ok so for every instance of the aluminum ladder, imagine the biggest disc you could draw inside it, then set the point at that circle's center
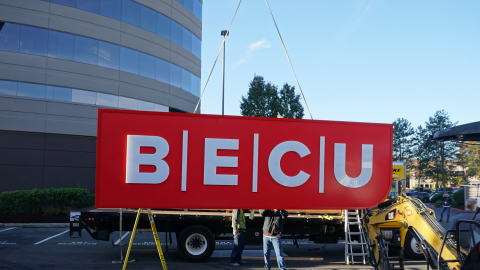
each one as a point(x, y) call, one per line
point(353, 227)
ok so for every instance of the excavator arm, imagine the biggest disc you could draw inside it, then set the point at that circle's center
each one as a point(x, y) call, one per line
point(418, 220)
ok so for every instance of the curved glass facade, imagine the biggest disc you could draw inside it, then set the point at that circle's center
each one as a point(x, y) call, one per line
point(194, 6)
point(133, 13)
point(50, 43)
point(48, 92)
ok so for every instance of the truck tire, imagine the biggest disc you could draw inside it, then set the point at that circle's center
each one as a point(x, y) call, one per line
point(196, 243)
point(412, 247)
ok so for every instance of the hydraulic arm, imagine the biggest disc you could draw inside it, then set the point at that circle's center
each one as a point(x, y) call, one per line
point(415, 218)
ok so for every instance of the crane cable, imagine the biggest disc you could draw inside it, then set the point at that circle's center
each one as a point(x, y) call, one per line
point(221, 47)
point(289, 60)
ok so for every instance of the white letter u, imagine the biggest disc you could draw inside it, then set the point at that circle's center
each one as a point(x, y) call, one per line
point(339, 166)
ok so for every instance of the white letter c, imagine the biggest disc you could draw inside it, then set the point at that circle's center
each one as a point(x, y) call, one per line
point(274, 163)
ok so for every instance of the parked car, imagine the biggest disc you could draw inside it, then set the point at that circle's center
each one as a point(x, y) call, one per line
point(422, 196)
point(418, 189)
point(431, 196)
point(409, 193)
point(448, 190)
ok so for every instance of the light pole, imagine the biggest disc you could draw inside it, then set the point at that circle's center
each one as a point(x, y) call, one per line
point(224, 33)
point(443, 165)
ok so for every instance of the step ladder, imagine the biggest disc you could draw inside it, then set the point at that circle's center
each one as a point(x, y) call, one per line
point(354, 229)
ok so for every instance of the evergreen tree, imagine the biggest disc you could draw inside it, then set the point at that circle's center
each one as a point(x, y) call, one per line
point(263, 99)
point(443, 152)
point(402, 139)
point(290, 106)
point(469, 158)
point(422, 155)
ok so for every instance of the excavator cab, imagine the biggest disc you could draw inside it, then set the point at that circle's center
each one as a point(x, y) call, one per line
point(467, 236)
point(473, 258)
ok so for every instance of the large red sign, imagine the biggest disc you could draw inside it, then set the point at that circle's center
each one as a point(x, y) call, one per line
point(174, 160)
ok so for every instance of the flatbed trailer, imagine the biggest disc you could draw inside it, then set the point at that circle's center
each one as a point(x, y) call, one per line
point(197, 230)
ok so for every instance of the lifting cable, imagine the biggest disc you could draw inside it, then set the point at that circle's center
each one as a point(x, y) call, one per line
point(289, 60)
point(221, 47)
point(283, 44)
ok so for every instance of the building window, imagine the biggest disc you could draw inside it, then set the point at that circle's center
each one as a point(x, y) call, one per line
point(49, 92)
point(141, 16)
point(90, 51)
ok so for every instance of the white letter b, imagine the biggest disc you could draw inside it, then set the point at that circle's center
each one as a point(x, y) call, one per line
point(135, 159)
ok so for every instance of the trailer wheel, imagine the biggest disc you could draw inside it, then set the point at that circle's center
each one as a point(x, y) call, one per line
point(412, 247)
point(196, 243)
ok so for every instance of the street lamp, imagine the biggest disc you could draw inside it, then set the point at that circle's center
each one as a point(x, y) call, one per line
point(224, 33)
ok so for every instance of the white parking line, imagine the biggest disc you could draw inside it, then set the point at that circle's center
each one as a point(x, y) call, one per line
point(118, 241)
point(8, 229)
point(51, 237)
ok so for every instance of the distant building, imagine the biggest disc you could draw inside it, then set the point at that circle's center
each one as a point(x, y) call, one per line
point(61, 60)
point(432, 182)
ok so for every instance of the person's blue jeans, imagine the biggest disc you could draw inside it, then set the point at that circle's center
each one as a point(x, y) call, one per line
point(276, 242)
point(443, 210)
point(238, 246)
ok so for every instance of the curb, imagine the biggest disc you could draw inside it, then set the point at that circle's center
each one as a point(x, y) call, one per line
point(456, 209)
point(36, 225)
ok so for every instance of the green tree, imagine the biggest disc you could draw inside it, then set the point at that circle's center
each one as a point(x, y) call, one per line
point(423, 162)
point(443, 152)
point(402, 139)
point(263, 99)
point(290, 106)
point(469, 159)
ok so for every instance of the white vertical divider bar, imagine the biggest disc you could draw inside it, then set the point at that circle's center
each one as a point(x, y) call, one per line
point(255, 162)
point(184, 160)
point(322, 164)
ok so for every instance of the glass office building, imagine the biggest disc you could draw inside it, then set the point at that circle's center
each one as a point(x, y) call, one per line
point(61, 60)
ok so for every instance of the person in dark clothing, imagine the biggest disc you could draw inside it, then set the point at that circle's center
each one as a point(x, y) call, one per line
point(465, 237)
point(272, 235)
point(239, 226)
point(447, 203)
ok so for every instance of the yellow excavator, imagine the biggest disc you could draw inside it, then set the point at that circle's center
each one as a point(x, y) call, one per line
point(438, 245)
point(414, 220)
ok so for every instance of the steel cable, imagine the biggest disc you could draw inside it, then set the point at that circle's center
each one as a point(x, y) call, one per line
point(281, 39)
point(221, 47)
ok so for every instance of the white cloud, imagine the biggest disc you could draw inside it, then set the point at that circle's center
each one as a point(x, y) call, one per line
point(261, 44)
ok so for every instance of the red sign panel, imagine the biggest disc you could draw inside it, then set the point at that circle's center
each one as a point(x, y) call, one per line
point(173, 160)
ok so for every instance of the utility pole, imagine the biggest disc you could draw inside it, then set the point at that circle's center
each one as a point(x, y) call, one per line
point(224, 33)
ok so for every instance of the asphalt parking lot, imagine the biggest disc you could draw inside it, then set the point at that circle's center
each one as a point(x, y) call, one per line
point(52, 248)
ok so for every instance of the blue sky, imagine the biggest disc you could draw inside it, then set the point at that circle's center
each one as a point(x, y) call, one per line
point(360, 61)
